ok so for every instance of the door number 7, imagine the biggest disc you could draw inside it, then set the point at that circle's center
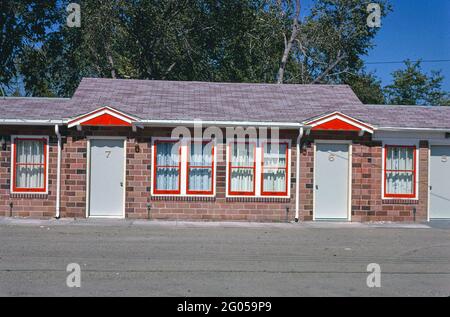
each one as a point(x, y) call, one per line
point(108, 154)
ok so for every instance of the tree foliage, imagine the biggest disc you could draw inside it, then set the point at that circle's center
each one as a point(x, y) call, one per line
point(412, 86)
point(23, 23)
point(205, 40)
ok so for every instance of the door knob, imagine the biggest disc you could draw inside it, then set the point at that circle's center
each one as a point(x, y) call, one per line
point(317, 187)
point(121, 184)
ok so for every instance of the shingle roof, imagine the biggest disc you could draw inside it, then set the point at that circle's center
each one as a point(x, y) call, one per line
point(33, 108)
point(169, 100)
point(427, 117)
point(210, 101)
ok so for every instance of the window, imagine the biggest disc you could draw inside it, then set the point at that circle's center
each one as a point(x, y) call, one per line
point(183, 167)
point(167, 167)
point(400, 172)
point(242, 168)
point(274, 169)
point(29, 165)
point(258, 168)
point(200, 168)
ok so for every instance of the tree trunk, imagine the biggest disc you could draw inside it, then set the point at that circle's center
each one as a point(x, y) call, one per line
point(111, 63)
point(288, 43)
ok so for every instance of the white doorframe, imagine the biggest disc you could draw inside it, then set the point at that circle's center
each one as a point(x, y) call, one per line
point(88, 172)
point(349, 181)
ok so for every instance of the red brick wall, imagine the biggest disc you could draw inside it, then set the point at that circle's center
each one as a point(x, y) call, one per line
point(73, 176)
point(139, 204)
point(27, 205)
point(367, 204)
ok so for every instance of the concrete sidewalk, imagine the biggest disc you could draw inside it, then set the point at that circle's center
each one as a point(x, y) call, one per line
point(218, 224)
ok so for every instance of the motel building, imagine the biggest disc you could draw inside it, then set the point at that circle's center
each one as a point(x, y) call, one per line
point(157, 150)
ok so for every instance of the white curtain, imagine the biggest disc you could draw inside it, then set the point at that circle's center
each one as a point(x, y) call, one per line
point(30, 164)
point(399, 170)
point(275, 168)
point(167, 166)
point(200, 167)
point(242, 161)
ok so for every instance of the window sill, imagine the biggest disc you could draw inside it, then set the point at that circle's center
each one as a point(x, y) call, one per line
point(29, 195)
point(400, 201)
point(182, 198)
point(259, 199)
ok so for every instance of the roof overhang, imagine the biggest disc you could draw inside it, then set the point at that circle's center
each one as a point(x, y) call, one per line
point(105, 116)
point(403, 129)
point(31, 122)
point(207, 123)
point(337, 121)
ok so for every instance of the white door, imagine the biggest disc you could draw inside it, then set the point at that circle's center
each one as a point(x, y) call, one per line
point(331, 183)
point(440, 182)
point(106, 187)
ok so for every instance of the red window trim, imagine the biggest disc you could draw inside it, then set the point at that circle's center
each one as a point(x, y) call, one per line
point(155, 168)
point(230, 168)
point(267, 193)
point(386, 194)
point(15, 164)
point(188, 169)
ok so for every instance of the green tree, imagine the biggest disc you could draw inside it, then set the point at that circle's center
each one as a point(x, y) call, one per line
point(412, 86)
point(327, 44)
point(208, 40)
point(69, 54)
point(367, 87)
point(23, 23)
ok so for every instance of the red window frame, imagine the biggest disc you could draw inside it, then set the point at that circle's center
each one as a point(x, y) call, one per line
point(15, 165)
point(155, 169)
point(286, 168)
point(230, 169)
point(188, 170)
point(386, 171)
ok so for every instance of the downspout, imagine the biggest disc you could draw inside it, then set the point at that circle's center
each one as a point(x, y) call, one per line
point(58, 174)
point(297, 179)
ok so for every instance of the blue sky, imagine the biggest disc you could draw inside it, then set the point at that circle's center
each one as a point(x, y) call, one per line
point(415, 29)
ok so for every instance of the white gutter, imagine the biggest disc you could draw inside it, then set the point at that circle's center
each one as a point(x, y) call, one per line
point(412, 129)
point(58, 174)
point(30, 122)
point(297, 179)
point(295, 125)
point(166, 123)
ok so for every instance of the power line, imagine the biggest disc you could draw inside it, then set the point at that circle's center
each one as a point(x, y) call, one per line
point(401, 62)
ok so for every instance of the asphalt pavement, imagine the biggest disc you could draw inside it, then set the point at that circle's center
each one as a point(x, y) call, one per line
point(139, 258)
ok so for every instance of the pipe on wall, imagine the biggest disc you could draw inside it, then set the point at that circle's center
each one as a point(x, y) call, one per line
point(58, 174)
point(297, 179)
